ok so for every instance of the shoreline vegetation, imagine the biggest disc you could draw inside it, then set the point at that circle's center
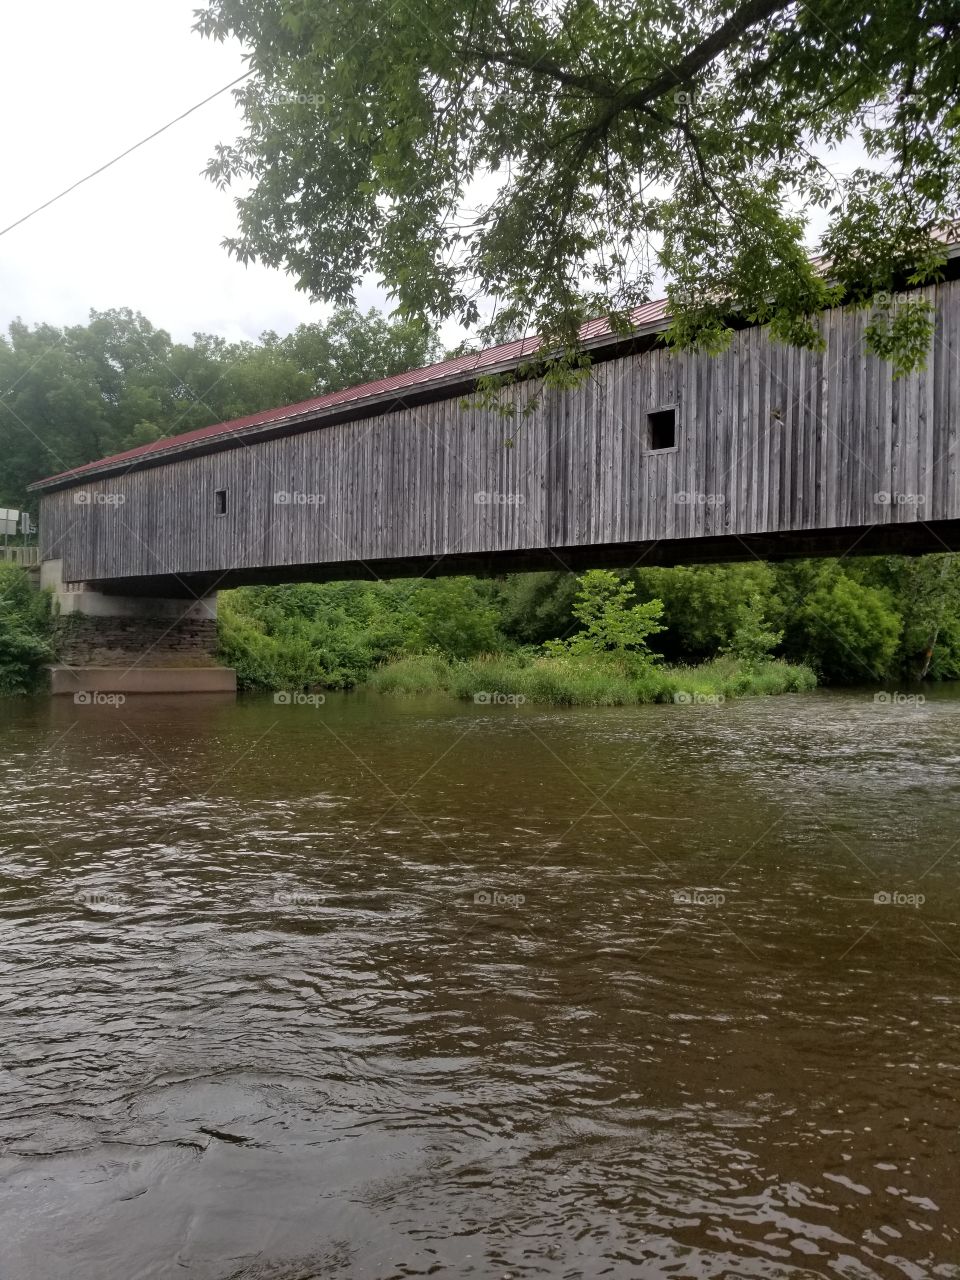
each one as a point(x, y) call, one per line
point(458, 637)
point(693, 633)
point(587, 681)
point(697, 634)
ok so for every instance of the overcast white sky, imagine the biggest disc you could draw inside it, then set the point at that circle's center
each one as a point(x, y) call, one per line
point(78, 84)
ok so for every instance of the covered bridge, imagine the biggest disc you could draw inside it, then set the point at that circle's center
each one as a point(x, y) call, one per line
point(660, 457)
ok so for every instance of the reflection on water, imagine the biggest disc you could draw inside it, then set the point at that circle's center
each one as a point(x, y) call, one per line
point(387, 989)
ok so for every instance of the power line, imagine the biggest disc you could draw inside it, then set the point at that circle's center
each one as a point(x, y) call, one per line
point(143, 141)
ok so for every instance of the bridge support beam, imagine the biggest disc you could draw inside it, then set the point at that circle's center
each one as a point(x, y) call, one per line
point(133, 644)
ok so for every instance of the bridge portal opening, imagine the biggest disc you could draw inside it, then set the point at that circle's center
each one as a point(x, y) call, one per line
point(662, 429)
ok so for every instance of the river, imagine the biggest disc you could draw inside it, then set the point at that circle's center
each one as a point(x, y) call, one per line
point(380, 988)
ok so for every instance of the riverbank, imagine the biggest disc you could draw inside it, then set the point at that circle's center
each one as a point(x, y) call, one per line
point(463, 638)
point(587, 681)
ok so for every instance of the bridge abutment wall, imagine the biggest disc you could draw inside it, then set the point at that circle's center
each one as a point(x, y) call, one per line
point(133, 644)
point(92, 640)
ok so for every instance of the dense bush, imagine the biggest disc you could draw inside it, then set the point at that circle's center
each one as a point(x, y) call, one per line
point(537, 606)
point(454, 615)
point(335, 634)
point(703, 604)
point(24, 632)
point(848, 631)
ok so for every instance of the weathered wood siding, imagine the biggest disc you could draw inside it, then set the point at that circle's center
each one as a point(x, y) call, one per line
point(769, 439)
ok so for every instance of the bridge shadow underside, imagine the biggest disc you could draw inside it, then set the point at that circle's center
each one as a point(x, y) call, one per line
point(910, 539)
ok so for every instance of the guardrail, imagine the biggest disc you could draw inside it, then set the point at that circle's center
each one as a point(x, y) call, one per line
point(25, 556)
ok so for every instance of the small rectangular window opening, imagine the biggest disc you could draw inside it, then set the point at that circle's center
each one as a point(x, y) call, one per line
point(220, 502)
point(662, 424)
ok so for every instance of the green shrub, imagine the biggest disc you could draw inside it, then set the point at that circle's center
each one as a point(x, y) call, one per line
point(453, 615)
point(752, 640)
point(611, 623)
point(25, 632)
point(703, 604)
point(335, 634)
point(849, 631)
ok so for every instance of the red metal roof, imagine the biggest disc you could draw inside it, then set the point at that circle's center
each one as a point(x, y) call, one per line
point(507, 354)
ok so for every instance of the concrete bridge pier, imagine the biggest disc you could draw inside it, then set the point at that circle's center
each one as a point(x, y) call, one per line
point(132, 644)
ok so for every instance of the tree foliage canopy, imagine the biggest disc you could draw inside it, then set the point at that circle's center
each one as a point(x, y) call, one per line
point(547, 152)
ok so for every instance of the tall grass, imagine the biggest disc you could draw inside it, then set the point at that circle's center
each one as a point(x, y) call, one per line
point(588, 681)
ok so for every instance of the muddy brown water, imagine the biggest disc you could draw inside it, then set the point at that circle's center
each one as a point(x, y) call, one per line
point(382, 988)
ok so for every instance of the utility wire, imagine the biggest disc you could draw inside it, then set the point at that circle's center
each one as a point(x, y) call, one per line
point(143, 141)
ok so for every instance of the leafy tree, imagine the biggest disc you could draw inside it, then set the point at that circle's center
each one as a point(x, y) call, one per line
point(548, 154)
point(611, 622)
point(927, 593)
point(848, 631)
point(752, 639)
point(703, 604)
point(352, 348)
